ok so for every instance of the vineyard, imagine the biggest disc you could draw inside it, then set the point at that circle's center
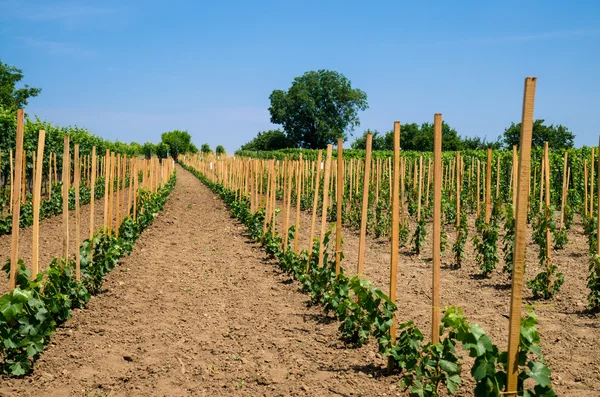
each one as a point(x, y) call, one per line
point(42, 296)
point(296, 271)
point(285, 198)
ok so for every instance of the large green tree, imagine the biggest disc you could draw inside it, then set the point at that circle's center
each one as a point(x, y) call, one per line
point(318, 108)
point(177, 141)
point(11, 97)
point(162, 150)
point(269, 140)
point(149, 149)
point(557, 136)
point(205, 148)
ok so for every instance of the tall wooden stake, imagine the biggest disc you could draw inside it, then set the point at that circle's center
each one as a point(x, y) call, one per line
point(66, 179)
point(585, 188)
point(598, 196)
point(564, 190)
point(365, 209)
point(338, 204)
point(547, 198)
point(106, 187)
point(314, 209)
point(325, 199)
point(395, 231)
point(520, 238)
point(488, 187)
point(93, 193)
point(76, 179)
point(298, 199)
point(16, 201)
point(37, 192)
point(437, 225)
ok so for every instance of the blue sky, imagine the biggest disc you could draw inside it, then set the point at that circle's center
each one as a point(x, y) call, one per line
point(134, 69)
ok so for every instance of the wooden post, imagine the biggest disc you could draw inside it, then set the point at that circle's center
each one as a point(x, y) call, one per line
point(314, 211)
point(515, 176)
point(458, 189)
point(542, 172)
point(274, 194)
point(106, 187)
point(299, 177)
point(402, 181)
point(428, 183)
point(76, 179)
point(377, 177)
point(324, 207)
point(478, 186)
point(66, 179)
point(339, 204)
point(350, 176)
point(598, 195)
point(547, 175)
point(365, 209)
point(136, 183)
point(131, 177)
point(420, 185)
point(37, 192)
point(24, 180)
point(591, 206)
point(12, 182)
point(498, 176)
point(92, 193)
point(585, 188)
point(288, 210)
point(268, 199)
point(33, 172)
point(437, 225)
point(16, 201)
point(111, 190)
point(55, 169)
point(120, 180)
point(564, 191)
point(284, 206)
point(395, 231)
point(520, 238)
point(488, 187)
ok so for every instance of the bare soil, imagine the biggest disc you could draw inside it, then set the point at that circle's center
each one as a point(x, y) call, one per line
point(569, 335)
point(197, 310)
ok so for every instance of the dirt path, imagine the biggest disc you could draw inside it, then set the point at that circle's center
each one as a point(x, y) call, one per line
point(197, 311)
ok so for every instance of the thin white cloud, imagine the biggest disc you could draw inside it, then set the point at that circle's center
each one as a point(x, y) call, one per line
point(56, 47)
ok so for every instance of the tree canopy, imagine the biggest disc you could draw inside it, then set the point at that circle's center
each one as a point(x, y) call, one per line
point(558, 137)
point(205, 149)
point(178, 142)
point(162, 150)
point(318, 108)
point(420, 138)
point(148, 149)
point(378, 141)
point(220, 150)
point(269, 140)
point(11, 97)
